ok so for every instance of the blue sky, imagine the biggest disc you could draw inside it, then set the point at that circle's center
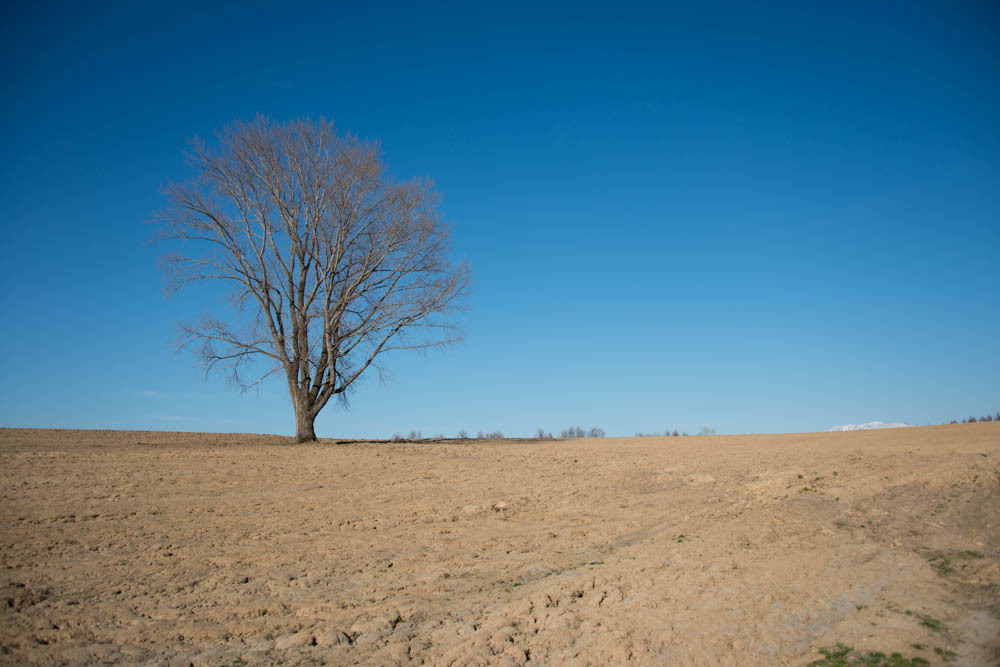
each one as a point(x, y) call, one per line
point(677, 215)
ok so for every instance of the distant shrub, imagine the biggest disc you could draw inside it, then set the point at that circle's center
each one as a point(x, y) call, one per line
point(707, 430)
point(596, 432)
point(676, 434)
point(397, 437)
point(415, 435)
point(495, 435)
point(972, 420)
point(463, 434)
point(541, 434)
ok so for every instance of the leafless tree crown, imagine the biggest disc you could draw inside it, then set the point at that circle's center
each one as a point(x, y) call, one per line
point(331, 262)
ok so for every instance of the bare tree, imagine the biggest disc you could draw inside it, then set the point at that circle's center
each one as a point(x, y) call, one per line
point(331, 262)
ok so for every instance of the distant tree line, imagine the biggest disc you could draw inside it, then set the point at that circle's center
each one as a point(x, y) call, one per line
point(540, 434)
point(973, 420)
point(597, 432)
point(462, 435)
point(705, 430)
point(577, 432)
point(571, 432)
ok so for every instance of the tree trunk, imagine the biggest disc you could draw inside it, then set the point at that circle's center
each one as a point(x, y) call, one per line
point(304, 431)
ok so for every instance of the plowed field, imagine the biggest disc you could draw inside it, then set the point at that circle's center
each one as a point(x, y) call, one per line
point(178, 548)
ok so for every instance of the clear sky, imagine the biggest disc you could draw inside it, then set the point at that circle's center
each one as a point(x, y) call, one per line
point(677, 215)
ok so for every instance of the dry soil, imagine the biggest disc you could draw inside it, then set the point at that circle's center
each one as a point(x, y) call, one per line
point(178, 548)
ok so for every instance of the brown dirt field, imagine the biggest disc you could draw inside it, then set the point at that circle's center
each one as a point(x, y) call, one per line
point(175, 548)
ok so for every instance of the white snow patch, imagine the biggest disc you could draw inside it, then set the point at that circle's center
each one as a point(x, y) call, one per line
point(868, 426)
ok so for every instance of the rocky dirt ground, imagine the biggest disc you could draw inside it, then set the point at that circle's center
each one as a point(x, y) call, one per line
point(175, 548)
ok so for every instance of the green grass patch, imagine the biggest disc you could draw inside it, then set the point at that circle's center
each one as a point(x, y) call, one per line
point(945, 563)
point(843, 655)
point(946, 655)
point(925, 620)
point(835, 656)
